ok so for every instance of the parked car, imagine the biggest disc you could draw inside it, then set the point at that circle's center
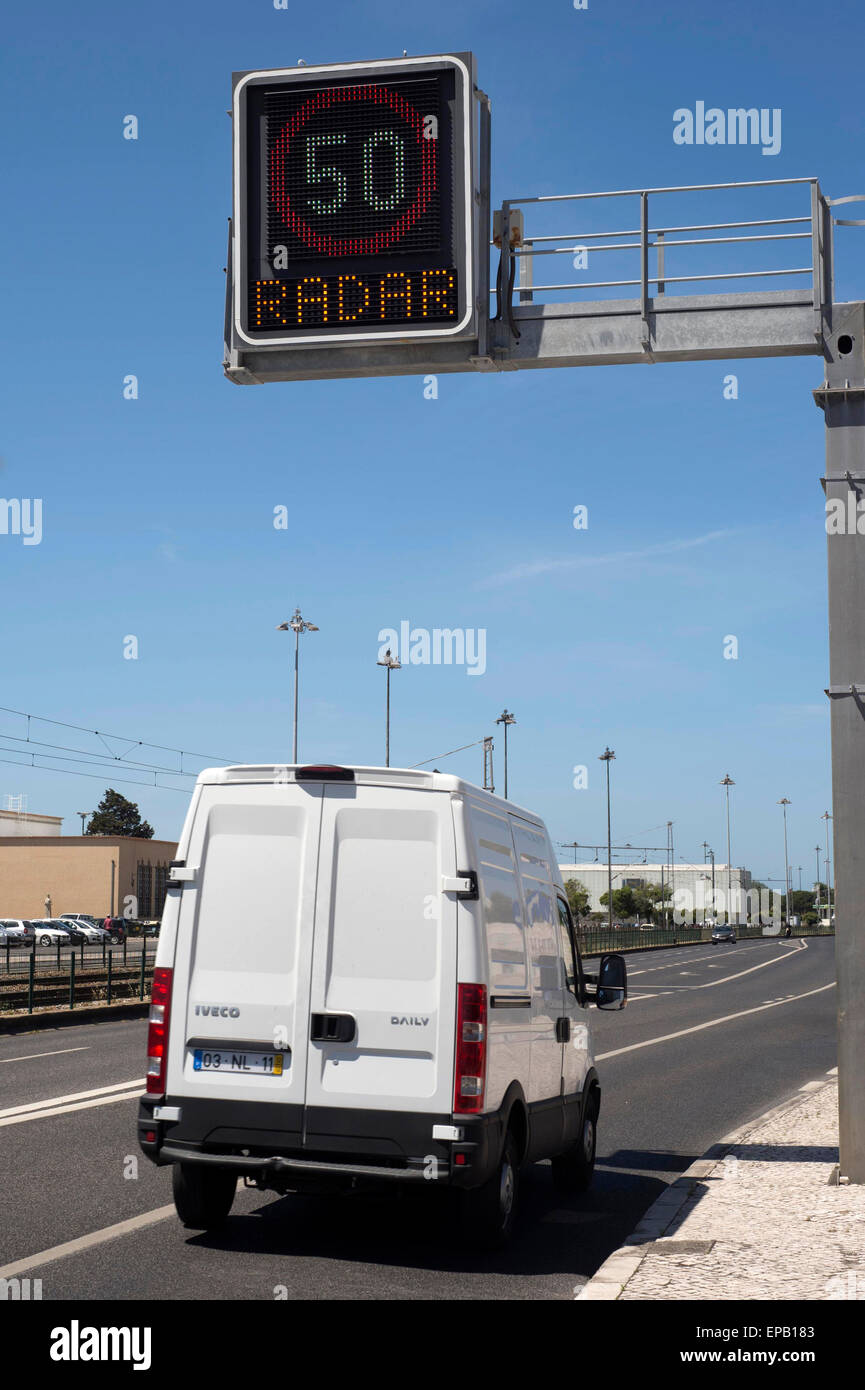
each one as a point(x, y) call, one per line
point(90, 934)
point(84, 918)
point(49, 932)
point(383, 1055)
point(73, 930)
point(723, 933)
point(15, 932)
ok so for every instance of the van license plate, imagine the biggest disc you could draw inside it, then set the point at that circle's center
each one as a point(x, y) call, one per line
point(258, 1063)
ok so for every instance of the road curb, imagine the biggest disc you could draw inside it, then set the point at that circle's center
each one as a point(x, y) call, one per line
point(67, 1018)
point(610, 1280)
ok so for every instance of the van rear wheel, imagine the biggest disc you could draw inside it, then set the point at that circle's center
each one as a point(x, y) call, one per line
point(489, 1211)
point(573, 1170)
point(202, 1195)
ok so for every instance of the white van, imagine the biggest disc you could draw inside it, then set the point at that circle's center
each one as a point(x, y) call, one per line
point(368, 977)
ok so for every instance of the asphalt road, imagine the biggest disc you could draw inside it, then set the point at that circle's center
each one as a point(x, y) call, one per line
point(711, 1038)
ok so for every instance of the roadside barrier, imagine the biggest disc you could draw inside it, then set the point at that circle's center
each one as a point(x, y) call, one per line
point(31, 980)
point(597, 941)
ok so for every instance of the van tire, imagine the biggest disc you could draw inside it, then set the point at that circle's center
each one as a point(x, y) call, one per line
point(489, 1211)
point(573, 1170)
point(203, 1195)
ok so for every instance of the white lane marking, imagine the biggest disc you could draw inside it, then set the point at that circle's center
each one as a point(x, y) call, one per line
point(66, 1109)
point(710, 984)
point(74, 1247)
point(677, 958)
point(713, 1023)
point(76, 1095)
point(4, 1061)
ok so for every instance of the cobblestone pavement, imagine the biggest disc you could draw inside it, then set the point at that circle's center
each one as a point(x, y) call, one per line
point(763, 1222)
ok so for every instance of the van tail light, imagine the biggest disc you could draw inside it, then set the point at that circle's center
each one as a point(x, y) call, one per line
point(157, 1032)
point(471, 1050)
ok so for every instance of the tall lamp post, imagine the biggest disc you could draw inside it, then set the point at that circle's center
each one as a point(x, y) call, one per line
point(297, 625)
point(817, 883)
point(826, 817)
point(784, 803)
point(506, 718)
point(728, 783)
point(83, 815)
point(607, 757)
point(392, 663)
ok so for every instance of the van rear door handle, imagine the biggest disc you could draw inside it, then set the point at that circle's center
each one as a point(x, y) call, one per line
point(332, 1028)
point(563, 1029)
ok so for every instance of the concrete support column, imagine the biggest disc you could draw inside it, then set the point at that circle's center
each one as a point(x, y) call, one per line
point(842, 399)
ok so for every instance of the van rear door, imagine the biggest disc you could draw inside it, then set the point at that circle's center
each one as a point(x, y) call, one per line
point(382, 1002)
point(244, 946)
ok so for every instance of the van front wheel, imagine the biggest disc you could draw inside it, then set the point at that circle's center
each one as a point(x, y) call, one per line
point(203, 1196)
point(489, 1211)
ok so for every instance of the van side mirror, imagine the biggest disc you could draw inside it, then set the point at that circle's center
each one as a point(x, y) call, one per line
point(612, 990)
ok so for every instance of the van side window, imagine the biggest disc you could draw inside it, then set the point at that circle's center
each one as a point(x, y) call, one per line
point(573, 972)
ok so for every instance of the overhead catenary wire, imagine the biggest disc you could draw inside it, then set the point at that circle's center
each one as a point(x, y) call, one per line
point(439, 756)
point(68, 772)
point(120, 738)
point(90, 759)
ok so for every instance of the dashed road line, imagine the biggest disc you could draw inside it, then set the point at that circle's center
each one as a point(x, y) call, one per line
point(712, 1023)
point(4, 1061)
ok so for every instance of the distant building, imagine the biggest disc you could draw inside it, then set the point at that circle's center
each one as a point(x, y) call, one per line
point(25, 823)
point(100, 874)
point(694, 878)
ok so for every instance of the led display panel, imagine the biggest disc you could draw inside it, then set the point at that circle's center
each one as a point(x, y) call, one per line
point(354, 202)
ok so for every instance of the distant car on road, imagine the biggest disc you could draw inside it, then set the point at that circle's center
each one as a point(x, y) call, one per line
point(646, 926)
point(723, 933)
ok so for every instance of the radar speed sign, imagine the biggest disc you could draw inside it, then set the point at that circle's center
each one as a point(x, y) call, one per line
point(354, 206)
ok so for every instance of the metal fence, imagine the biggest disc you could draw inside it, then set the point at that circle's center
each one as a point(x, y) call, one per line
point(595, 942)
point(645, 249)
point(31, 980)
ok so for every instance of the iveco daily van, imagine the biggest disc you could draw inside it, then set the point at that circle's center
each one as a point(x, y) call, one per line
point(368, 976)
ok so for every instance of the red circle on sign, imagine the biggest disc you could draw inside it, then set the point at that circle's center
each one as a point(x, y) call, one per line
point(351, 246)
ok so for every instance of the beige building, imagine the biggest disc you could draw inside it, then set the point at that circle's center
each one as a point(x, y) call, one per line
point(104, 875)
point(18, 823)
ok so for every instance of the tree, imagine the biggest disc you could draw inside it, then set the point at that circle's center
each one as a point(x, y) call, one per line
point(116, 816)
point(801, 901)
point(578, 897)
point(625, 902)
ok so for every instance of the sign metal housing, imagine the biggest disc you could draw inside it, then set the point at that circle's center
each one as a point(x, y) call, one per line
point(355, 208)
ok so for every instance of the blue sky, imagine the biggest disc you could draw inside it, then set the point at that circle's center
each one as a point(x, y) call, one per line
point(705, 514)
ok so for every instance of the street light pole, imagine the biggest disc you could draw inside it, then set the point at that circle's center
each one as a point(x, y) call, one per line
point(607, 757)
point(83, 815)
point(393, 664)
point(727, 782)
point(506, 718)
point(826, 817)
point(784, 803)
point(817, 884)
point(297, 625)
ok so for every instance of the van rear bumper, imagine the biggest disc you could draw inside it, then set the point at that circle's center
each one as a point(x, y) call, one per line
point(287, 1146)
